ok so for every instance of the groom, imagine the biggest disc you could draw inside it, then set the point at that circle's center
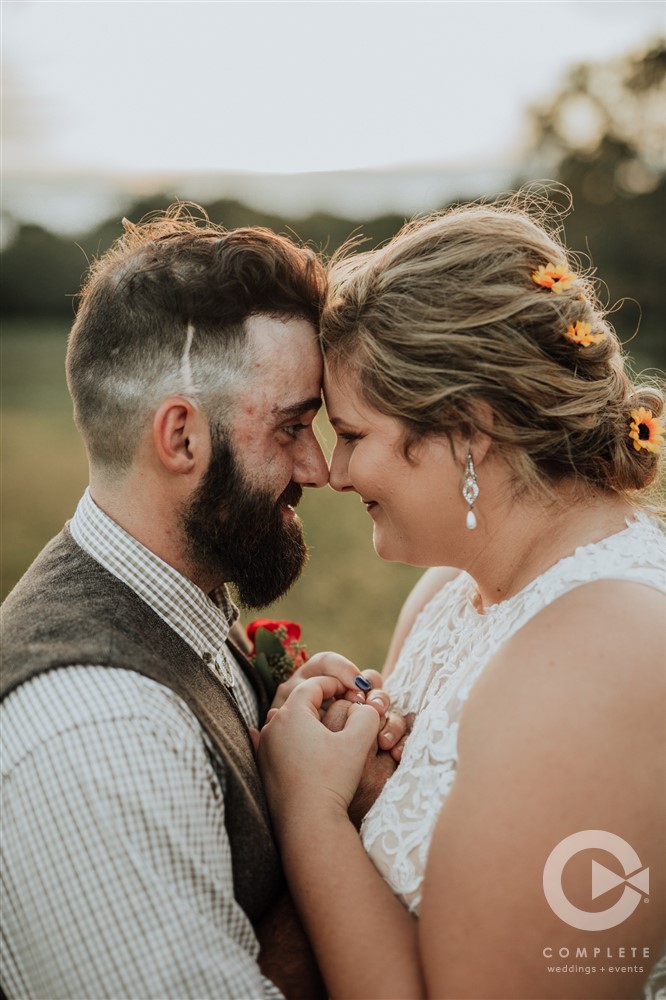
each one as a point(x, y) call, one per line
point(138, 857)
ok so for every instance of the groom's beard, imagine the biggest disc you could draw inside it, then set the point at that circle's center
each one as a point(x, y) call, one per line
point(239, 533)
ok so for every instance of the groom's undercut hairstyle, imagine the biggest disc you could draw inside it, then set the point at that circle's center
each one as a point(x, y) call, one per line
point(163, 312)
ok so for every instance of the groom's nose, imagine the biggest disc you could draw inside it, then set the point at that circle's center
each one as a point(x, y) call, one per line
point(310, 468)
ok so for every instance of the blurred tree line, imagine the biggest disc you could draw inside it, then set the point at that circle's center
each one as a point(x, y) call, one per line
point(602, 136)
point(605, 131)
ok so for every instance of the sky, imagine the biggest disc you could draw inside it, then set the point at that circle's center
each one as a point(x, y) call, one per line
point(136, 88)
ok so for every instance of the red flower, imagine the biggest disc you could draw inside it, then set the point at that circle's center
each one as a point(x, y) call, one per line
point(292, 629)
point(276, 651)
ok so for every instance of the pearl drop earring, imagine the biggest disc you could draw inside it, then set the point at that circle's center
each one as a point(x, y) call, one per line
point(470, 491)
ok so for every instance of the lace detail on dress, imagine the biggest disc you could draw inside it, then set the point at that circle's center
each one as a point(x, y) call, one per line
point(441, 660)
point(655, 987)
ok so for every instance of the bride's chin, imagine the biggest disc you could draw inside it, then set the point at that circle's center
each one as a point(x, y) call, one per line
point(398, 550)
point(385, 548)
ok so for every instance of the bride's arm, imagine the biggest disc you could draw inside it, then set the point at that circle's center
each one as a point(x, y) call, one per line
point(352, 918)
point(423, 591)
point(563, 733)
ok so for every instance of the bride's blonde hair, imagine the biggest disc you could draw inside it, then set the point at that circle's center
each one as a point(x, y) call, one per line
point(447, 316)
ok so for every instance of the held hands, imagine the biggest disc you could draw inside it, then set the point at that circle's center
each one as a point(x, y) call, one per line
point(306, 768)
point(393, 728)
point(328, 665)
point(379, 764)
point(306, 712)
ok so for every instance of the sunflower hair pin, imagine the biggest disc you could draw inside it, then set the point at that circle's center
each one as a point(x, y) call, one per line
point(645, 431)
point(581, 333)
point(554, 277)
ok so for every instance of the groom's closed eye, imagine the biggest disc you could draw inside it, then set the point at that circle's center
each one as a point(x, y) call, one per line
point(293, 429)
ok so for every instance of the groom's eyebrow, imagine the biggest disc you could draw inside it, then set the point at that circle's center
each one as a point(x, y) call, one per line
point(289, 412)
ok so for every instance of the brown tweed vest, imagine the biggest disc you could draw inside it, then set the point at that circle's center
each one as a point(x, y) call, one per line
point(68, 610)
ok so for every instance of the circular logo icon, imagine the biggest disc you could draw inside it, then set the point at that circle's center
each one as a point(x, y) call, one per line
point(636, 880)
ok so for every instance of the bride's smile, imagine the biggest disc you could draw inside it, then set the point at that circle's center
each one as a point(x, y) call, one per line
point(412, 495)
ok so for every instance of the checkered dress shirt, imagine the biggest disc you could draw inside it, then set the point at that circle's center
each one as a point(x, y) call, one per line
point(116, 873)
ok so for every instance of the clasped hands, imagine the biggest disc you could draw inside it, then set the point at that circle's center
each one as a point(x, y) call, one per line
point(334, 711)
point(328, 743)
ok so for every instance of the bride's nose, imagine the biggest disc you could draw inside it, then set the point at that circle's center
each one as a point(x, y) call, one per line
point(338, 476)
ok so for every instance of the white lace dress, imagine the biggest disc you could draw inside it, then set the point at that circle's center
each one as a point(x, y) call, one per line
point(441, 660)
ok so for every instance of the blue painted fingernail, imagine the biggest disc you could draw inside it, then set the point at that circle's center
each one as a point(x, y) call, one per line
point(363, 683)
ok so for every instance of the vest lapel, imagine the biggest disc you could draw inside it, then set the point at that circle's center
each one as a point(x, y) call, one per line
point(253, 677)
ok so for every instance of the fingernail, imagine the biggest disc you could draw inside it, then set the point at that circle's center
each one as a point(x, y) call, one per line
point(363, 683)
point(388, 737)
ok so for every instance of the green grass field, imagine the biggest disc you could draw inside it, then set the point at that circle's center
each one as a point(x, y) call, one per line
point(347, 599)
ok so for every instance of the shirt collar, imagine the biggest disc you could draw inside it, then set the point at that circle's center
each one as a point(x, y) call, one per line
point(203, 621)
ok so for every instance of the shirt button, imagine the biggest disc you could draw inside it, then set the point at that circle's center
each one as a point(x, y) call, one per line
point(223, 665)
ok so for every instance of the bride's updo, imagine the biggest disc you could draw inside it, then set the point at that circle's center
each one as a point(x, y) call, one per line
point(483, 304)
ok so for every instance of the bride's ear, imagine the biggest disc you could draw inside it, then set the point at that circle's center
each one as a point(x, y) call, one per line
point(476, 442)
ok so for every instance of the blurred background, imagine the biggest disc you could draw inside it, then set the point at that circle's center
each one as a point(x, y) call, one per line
point(319, 120)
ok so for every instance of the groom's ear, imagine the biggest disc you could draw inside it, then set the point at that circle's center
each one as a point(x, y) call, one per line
point(180, 436)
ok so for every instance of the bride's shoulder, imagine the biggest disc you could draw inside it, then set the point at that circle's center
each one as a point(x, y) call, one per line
point(563, 732)
point(593, 657)
point(594, 625)
point(602, 619)
point(426, 588)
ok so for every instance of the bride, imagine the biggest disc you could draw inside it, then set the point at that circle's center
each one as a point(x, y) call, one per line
point(485, 418)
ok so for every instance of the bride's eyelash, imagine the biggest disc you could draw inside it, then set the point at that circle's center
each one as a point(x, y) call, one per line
point(348, 437)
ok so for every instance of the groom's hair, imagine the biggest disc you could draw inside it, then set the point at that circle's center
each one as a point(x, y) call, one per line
point(163, 312)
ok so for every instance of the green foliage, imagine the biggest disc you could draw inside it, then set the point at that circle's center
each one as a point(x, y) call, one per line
point(267, 647)
point(41, 274)
point(271, 660)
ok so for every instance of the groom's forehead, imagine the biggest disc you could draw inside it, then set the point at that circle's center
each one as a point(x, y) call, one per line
point(277, 344)
point(285, 376)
